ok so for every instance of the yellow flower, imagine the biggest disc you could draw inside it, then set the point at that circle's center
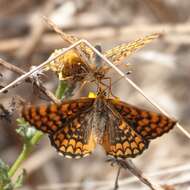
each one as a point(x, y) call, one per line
point(64, 64)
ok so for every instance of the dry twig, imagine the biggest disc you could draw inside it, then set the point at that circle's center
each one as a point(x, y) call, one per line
point(129, 165)
point(116, 186)
point(62, 35)
point(26, 75)
point(33, 80)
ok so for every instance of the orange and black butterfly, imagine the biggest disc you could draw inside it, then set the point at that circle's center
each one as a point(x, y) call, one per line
point(76, 126)
point(72, 66)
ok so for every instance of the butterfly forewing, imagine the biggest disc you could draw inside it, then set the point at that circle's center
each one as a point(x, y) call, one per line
point(49, 119)
point(148, 124)
point(40, 117)
point(121, 52)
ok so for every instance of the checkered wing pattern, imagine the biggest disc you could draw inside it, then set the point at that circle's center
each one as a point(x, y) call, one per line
point(121, 141)
point(121, 52)
point(75, 139)
point(149, 125)
point(66, 126)
point(130, 134)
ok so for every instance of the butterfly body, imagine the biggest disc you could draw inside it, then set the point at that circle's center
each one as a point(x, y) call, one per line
point(99, 117)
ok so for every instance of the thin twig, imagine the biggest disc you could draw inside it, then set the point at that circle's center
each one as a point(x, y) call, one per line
point(116, 186)
point(70, 39)
point(11, 67)
point(129, 165)
point(173, 170)
point(19, 71)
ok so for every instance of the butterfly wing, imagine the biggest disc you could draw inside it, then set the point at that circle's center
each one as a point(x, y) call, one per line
point(121, 52)
point(120, 140)
point(147, 124)
point(75, 139)
point(67, 125)
point(49, 119)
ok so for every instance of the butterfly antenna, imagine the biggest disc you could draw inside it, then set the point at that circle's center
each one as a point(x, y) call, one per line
point(98, 59)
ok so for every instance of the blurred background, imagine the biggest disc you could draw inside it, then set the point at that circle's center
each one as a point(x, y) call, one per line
point(161, 69)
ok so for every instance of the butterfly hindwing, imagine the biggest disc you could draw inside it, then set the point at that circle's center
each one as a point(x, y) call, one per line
point(120, 140)
point(75, 138)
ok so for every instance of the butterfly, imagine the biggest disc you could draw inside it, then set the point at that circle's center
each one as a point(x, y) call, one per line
point(72, 66)
point(76, 126)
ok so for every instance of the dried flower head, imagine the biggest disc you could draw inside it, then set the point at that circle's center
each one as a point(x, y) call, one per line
point(66, 65)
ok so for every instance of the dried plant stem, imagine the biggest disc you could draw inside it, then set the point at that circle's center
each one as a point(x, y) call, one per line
point(19, 71)
point(128, 164)
point(163, 12)
point(27, 148)
point(11, 67)
point(116, 186)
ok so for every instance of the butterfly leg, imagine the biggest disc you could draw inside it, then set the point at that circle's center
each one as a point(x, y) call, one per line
point(109, 86)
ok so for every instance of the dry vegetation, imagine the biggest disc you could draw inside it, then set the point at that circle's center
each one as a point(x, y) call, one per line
point(161, 69)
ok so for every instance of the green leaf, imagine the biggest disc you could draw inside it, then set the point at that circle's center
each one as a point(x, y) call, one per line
point(20, 179)
point(5, 181)
point(25, 129)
